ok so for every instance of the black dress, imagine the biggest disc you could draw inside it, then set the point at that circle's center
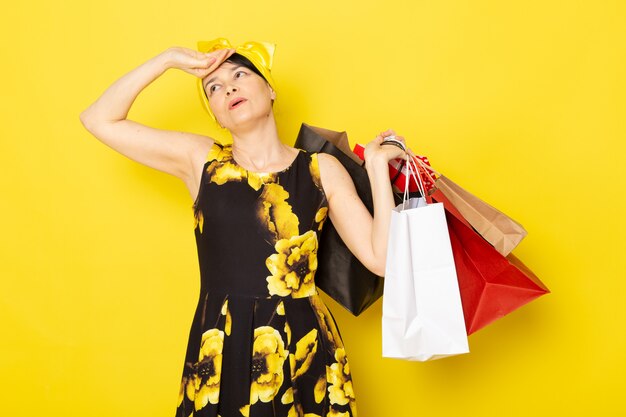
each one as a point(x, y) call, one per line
point(262, 342)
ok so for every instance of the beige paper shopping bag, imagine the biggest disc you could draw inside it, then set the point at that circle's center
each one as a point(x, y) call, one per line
point(494, 226)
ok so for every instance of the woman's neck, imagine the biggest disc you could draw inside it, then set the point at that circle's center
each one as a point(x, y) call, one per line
point(260, 147)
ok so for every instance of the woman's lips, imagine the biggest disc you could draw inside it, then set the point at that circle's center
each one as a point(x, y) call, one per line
point(236, 102)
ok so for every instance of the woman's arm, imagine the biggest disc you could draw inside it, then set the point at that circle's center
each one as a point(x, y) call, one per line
point(168, 151)
point(364, 235)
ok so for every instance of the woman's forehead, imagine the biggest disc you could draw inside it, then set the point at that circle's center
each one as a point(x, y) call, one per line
point(224, 67)
point(227, 64)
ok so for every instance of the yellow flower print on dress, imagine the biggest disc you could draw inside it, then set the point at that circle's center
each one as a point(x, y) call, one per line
point(335, 413)
point(314, 169)
point(229, 320)
point(320, 217)
point(296, 411)
point(306, 347)
point(227, 172)
point(280, 308)
point(268, 357)
point(198, 220)
point(208, 369)
point(287, 397)
point(222, 167)
point(258, 179)
point(326, 322)
point(319, 391)
point(338, 375)
point(288, 332)
point(293, 266)
point(186, 388)
point(274, 213)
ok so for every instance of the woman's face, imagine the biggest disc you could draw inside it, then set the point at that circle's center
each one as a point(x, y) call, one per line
point(238, 96)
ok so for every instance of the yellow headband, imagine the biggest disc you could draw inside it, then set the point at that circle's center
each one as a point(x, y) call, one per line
point(261, 54)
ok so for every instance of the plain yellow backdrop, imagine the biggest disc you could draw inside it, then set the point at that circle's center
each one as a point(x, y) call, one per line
point(520, 102)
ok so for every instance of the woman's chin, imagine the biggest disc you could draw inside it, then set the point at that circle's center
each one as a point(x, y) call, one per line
point(244, 120)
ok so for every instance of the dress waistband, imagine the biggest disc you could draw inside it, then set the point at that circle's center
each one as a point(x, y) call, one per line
point(204, 292)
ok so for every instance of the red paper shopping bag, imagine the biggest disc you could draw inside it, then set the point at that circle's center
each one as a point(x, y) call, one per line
point(491, 285)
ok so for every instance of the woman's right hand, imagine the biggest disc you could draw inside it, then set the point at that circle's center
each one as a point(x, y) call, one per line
point(169, 151)
point(195, 62)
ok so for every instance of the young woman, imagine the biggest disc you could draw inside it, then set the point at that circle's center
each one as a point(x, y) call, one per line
point(262, 341)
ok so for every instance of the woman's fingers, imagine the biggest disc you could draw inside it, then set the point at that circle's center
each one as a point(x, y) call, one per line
point(217, 58)
point(199, 64)
point(388, 132)
point(196, 59)
point(383, 135)
point(221, 54)
point(207, 61)
point(229, 53)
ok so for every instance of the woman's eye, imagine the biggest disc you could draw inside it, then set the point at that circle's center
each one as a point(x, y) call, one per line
point(239, 74)
point(213, 88)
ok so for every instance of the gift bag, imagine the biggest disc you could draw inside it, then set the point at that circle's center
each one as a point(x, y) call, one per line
point(422, 312)
point(339, 273)
point(491, 285)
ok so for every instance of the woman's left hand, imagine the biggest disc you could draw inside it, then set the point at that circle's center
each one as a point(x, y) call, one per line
point(374, 150)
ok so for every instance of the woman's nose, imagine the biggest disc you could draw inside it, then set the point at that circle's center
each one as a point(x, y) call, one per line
point(230, 89)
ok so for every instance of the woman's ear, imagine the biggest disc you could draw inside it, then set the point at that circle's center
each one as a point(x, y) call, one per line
point(272, 94)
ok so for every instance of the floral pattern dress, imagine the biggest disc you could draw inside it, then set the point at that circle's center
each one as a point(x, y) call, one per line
point(262, 342)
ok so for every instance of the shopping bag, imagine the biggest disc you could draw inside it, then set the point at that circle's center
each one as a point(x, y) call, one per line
point(398, 171)
point(497, 228)
point(491, 284)
point(339, 273)
point(422, 313)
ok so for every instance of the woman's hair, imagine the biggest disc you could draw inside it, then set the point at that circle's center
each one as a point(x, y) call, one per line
point(237, 59)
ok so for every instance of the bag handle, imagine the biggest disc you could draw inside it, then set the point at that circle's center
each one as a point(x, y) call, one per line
point(413, 170)
point(416, 174)
point(424, 166)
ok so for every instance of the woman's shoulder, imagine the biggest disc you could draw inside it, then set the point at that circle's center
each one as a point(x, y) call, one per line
point(327, 161)
point(331, 173)
point(217, 150)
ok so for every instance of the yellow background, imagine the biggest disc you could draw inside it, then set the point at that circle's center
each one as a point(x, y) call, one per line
point(521, 102)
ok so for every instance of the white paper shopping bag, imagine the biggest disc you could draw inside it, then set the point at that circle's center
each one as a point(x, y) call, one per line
point(422, 312)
